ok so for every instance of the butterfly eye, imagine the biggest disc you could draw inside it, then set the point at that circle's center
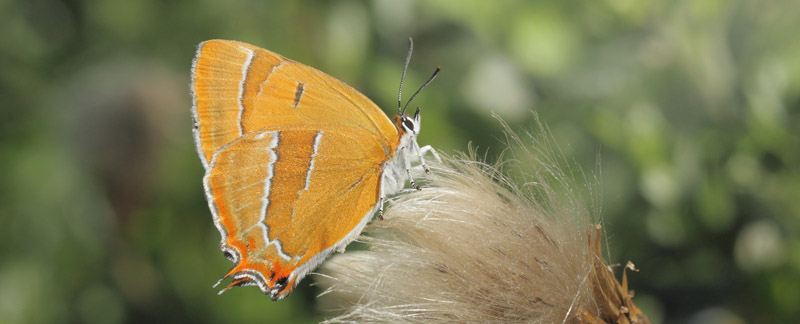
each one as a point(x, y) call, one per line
point(408, 124)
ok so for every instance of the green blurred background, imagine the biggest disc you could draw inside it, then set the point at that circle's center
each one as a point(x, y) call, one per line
point(691, 107)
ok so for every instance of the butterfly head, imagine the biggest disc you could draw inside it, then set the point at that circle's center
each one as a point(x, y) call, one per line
point(408, 124)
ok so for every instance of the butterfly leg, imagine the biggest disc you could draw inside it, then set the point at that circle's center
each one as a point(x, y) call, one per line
point(410, 178)
point(421, 151)
point(380, 209)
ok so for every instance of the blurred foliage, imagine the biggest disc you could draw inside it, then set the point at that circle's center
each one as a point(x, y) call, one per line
point(692, 108)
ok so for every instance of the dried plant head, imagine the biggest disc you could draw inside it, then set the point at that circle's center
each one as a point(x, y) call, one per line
point(613, 298)
point(475, 246)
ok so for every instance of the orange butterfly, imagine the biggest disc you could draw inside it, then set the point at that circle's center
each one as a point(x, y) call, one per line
point(296, 161)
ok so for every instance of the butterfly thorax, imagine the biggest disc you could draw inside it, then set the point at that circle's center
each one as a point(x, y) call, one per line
point(394, 170)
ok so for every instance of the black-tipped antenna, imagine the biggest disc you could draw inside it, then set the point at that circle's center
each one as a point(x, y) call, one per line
point(433, 76)
point(403, 76)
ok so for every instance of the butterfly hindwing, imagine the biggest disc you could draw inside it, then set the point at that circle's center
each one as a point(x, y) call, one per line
point(283, 193)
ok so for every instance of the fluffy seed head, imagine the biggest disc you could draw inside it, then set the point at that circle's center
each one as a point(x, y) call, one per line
point(474, 246)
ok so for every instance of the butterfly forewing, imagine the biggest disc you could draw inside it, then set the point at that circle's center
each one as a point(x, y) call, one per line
point(240, 88)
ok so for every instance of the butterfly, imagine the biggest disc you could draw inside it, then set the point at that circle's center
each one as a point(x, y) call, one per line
point(296, 162)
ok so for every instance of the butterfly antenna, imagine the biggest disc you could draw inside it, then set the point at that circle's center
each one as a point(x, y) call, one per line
point(403, 76)
point(433, 76)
